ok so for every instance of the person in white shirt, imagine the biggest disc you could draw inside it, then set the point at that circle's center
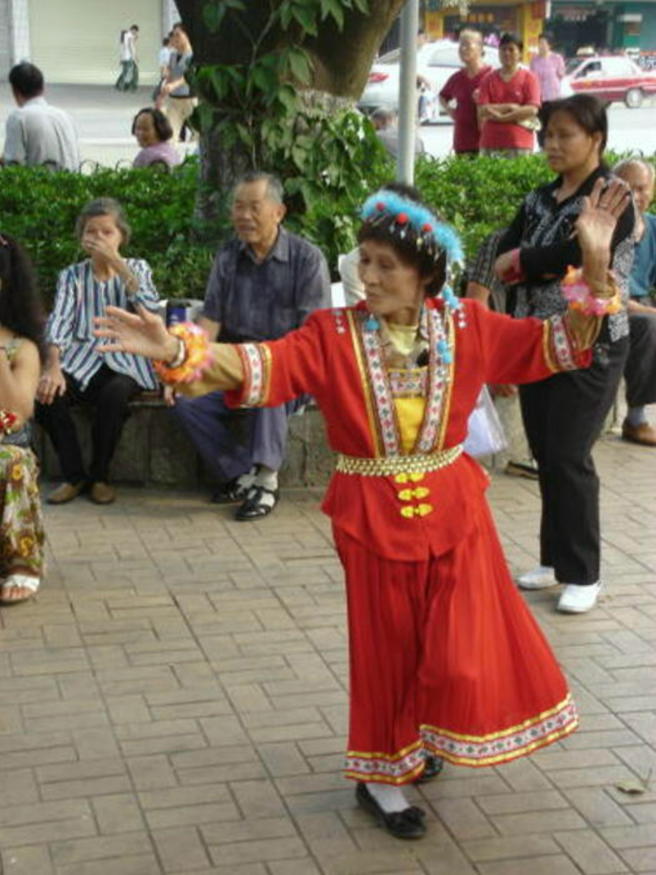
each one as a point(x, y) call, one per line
point(128, 79)
point(37, 133)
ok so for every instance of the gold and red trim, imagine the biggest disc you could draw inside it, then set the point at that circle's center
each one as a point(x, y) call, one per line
point(397, 768)
point(505, 745)
point(256, 362)
point(355, 320)
point(561, 347)
point(464, 750)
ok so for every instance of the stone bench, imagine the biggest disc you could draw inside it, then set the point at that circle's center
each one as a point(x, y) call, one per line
point(155, 450)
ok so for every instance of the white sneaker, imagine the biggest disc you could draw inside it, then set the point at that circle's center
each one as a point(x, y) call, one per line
point(538, 578)
point(577, 598)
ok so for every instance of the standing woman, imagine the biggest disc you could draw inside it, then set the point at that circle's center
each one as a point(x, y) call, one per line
point(549, 67)
point(446, 660)
point(564, 414)
point(508, 101)
point(21, 346)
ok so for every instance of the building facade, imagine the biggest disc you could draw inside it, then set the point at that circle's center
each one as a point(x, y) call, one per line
point(607, 25)
point(77, 41)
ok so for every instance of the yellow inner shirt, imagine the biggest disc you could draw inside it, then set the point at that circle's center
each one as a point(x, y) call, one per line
point(409, 411)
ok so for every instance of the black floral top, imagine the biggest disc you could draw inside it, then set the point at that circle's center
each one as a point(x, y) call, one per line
point(543, 229)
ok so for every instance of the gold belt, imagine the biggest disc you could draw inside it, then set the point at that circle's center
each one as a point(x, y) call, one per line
point(386, 466)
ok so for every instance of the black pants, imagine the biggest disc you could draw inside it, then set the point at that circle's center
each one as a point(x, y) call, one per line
point(640, 369)
point(563, 416)
point(109, 393)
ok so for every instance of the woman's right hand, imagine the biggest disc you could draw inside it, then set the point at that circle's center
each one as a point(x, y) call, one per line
point(51, 384)
point(141, 333)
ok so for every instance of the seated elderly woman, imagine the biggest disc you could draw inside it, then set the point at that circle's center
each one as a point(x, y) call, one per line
point(153, 132)
point(75, 373)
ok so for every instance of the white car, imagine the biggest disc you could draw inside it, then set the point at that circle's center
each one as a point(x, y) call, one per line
point(436, 62)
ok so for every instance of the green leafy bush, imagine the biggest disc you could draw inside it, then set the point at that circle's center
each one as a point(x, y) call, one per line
point(39, 208)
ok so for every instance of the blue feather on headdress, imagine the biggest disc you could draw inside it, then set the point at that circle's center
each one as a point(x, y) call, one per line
point(418, 215)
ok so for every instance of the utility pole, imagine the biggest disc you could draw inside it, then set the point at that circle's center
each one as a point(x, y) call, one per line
point(405, 166)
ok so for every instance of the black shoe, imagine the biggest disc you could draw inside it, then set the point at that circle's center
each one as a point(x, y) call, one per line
point(406, 824)
point(231, 492)
point(432, 769)
point(254, 507)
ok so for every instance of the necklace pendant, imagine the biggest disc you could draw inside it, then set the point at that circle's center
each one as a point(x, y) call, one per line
point(372, 323)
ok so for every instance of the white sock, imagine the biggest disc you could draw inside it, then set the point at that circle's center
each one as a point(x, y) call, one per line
point(636, 416)
point(266, 477)
point(248, 479)
point(388, 797)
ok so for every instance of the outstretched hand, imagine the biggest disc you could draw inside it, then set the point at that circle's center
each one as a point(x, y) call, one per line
point(142, 333)
point(596, 224)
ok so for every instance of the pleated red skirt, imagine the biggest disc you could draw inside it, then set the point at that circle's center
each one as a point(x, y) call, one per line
point(445, 659)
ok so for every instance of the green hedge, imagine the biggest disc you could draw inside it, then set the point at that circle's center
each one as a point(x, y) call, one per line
point(40, 207)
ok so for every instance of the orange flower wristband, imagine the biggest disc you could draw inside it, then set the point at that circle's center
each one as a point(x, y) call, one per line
point(197, 358)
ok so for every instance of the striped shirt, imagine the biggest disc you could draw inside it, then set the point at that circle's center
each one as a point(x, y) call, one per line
point(70, 326)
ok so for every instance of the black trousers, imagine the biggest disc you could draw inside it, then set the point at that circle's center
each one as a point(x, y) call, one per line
point(563, 417)
point(640, 369)
point(109, 393)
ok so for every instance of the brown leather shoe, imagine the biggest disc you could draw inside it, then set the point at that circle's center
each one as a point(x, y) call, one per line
point(102, 493)
point(644, 433)
point(65, 492)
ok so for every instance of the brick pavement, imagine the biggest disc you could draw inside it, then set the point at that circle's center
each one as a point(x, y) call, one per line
point(175, 703)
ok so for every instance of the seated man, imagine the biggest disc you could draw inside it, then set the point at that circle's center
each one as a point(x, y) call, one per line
point(640, 368)
point(38, 133)
point(264, 283)
point(386, 124)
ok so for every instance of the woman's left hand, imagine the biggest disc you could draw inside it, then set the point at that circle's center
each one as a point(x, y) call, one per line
point(596, 224)
point(141, 333)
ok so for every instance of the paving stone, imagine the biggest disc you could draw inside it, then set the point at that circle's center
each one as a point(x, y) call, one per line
point(206, 732)
point(26, 861)
point(180, 850)
point(117, 813)
point(590, 853)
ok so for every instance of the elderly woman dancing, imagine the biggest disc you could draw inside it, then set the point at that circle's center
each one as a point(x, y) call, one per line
point(446, 661)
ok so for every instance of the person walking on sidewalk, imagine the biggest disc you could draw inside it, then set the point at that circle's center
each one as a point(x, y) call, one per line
point(564, 414)
point(446, 660)
point(128, 79)
point(75, 372)
point(175, 98)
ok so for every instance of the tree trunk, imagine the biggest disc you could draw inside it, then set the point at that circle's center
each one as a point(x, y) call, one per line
point(342, 58)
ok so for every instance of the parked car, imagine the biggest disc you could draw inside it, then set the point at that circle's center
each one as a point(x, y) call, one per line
point(609, 78)
point(436, 62)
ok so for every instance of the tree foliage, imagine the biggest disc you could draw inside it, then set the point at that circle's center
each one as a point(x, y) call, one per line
point(276, 82)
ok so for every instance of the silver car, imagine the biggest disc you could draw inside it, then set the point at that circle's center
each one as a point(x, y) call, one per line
point(436, 62)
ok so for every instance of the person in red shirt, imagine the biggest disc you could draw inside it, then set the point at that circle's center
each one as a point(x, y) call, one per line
point(508, 102)
point(461, 88)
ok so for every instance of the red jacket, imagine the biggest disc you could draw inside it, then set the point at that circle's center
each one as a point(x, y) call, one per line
point(334, 358)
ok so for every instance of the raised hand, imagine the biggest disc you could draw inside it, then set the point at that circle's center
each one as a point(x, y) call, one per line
point(595, 227)
point(142, 333)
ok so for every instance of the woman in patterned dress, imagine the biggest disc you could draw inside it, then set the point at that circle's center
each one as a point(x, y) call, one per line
point(21, 343)
point(564, 414)
point(446, 660)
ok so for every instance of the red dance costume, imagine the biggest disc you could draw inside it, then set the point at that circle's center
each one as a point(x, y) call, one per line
point(445, 657)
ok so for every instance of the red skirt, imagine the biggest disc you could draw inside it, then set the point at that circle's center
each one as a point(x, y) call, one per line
point(445, 659)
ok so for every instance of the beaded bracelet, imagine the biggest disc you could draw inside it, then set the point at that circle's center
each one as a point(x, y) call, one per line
point(197, 355)
point(578, 293)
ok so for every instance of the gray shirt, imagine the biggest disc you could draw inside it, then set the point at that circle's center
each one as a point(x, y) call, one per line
point(178, 66)
point(265, 300)
point(37, 133)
